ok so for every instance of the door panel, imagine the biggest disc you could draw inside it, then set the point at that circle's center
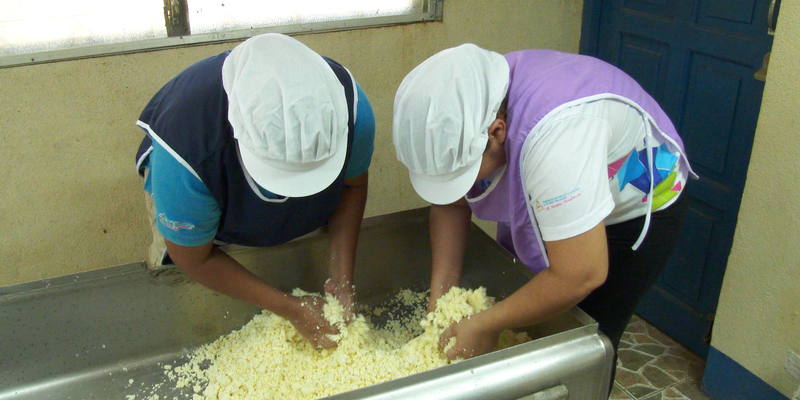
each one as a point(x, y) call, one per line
point(647, 61)
point(686, 281)
point(662, 8)
point(697, 59)
point(713, 92)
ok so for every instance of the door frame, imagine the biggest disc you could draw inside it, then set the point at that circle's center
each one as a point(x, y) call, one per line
point(590, 27)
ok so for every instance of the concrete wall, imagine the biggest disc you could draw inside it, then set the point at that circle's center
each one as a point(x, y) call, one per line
point(70, 200)
point(758, 319)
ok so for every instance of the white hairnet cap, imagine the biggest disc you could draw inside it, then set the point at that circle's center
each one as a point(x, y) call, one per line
point(289, 114)
point(442, 113)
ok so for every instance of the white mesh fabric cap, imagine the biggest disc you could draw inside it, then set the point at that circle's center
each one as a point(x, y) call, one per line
point(289, 114)
point(442, 113)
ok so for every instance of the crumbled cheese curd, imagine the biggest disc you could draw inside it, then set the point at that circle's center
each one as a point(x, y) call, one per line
point(269, 359)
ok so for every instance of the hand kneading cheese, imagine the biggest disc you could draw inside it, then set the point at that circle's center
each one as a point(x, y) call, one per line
point(269, 359)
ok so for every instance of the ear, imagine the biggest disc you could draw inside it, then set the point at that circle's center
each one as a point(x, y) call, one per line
point(497, 131)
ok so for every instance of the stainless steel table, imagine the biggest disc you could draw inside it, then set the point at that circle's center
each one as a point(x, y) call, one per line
point(107, 334)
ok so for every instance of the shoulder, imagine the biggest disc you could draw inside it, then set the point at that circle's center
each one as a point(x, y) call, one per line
point(363, 136)
point(365, 117)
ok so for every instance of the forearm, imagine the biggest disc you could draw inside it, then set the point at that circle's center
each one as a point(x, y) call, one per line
point(578, 265)
point(344, 227)
point(219, 272)
point(542, 298)
point(449, 226)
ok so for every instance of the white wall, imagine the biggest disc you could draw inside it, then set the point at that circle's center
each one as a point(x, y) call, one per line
point(758, 318)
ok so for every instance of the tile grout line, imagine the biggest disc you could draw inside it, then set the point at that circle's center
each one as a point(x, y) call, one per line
point(668, 347)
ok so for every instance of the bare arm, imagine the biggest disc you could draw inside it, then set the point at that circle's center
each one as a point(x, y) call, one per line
point(449, 226)
point(344, 227)
point(216, 270)
point(578, 265)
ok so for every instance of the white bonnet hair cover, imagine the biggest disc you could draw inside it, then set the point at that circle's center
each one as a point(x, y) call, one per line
point(442, 113)
point(289, 114)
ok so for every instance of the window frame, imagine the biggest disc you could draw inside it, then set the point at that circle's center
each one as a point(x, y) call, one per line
point(431, 11)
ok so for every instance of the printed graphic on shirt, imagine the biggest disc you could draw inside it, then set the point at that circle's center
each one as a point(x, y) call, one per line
point(174, 225)
point(484, 184)
point(558, 201)
point(665, 191)
point(634, 170)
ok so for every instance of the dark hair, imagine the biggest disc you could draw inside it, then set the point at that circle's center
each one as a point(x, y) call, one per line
point(501, 113)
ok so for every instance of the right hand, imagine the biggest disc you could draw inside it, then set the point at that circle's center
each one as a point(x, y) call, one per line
point(344, 293)
point(473, 338)
point(309, 320)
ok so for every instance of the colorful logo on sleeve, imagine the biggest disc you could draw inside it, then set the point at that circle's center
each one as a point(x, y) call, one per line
point(558, 201)
point(634, 170)
point(174, 225)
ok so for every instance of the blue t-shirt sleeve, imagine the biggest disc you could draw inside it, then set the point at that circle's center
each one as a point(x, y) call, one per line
point(363, 137)
point(186, 212)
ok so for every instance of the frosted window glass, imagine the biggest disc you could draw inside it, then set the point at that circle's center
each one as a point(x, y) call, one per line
point(94, 27)
point(28, 26)
point(206, 16)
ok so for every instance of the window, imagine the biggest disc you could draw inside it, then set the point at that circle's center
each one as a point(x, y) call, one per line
point(36, 31)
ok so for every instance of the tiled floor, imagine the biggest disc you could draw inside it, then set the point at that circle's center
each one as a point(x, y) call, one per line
point(652, 366)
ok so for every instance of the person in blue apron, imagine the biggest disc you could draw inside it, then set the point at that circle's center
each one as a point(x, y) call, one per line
point(255, 147)
point(579, 166)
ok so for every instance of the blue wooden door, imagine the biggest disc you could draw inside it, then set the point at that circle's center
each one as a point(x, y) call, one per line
point(697, 58)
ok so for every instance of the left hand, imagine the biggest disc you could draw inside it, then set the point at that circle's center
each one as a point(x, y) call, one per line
point(309, 320)
point(472, 339)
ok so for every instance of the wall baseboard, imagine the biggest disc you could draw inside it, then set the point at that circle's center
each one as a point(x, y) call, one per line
point(725, 379)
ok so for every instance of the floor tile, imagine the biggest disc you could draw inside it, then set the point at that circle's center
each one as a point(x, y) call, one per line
point(633, 360)
point(627, 340)
point(691, 389)
point(653, 366)
point(642, 338)
point(675, 366)
point(657, 377)
point(696, 369)
point(618, 394)
point(636, 327)
point(669, 394)
point(640, 391)
point(626, 378)
point(651, 348)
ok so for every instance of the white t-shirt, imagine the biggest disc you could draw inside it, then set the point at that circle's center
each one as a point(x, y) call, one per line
point(572, 187)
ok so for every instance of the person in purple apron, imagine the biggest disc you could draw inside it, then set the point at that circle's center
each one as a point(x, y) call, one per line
point(579, 166)
point(255, 147)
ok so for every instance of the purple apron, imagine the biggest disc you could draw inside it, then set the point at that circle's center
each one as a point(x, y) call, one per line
point(540, 82)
